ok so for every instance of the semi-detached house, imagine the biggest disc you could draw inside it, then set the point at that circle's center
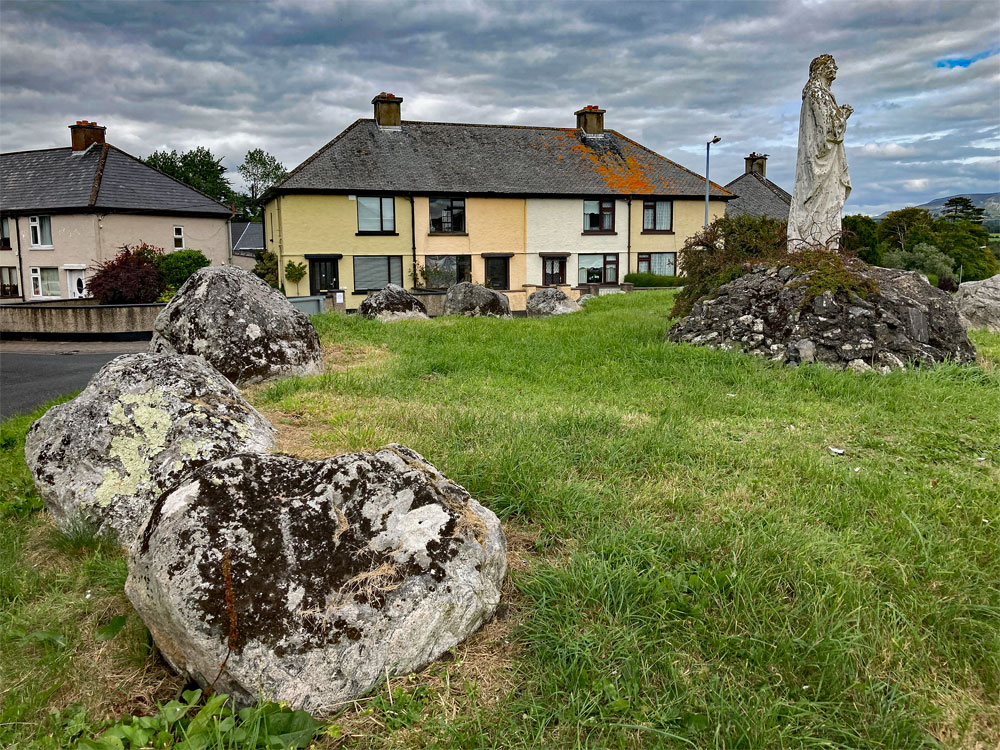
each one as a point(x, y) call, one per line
point(62, 210)
point(512, 207)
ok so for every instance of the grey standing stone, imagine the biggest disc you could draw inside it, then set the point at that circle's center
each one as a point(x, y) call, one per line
point(143, 424)
point(476, 300)
point(550, 301)
point(244, 328)
point(309, 581)
point(392, 303)
point(979, 303)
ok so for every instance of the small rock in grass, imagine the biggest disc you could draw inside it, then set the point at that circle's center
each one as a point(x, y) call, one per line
point(392, 303)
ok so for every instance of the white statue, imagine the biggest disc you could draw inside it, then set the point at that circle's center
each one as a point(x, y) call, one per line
point(821, 180)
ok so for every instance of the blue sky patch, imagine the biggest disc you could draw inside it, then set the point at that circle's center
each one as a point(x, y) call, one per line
point(964, 62)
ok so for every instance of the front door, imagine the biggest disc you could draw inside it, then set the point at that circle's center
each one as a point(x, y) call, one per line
point(323, 276)
point(77, 283)
point(497, 276)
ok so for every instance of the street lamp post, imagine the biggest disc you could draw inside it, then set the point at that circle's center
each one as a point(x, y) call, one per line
point(708, 148)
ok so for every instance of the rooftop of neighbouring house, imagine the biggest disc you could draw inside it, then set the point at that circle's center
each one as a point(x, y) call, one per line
point(248, 237)
point(441, 158)
point(95, 177)
point(757, 196)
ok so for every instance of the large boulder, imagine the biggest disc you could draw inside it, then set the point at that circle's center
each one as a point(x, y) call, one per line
point(475, 299)
point(247, 330)
point(144, 423)
point(979, 303)
point(310, 581)
point(392, 303)
point(550, 302)
point(771, 312)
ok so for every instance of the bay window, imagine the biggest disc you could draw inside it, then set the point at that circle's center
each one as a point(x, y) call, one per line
point(376, 214)
point(657, 216)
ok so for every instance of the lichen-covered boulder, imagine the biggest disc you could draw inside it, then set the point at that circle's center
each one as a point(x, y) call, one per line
point(392, 303)
point(979, 303)
point(247, 330)
point(142, 425)
point(309, 581)
point(770, 312)
point(550, 302)
point(476, 300)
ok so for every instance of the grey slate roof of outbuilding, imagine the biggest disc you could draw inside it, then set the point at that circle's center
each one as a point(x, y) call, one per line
point(248, 237)
point(434, 157)
point(757, 196)
point(100, 178)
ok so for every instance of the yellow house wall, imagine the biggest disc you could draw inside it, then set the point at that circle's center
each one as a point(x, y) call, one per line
point(297, 225)
point(689, 218)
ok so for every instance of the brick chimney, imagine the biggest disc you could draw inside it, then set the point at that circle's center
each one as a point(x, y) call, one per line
point(86, 133)
point(590, 120)
point(387, 110)
point(756, 163)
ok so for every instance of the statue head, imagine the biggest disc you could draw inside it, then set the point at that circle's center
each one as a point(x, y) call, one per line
point(823, 66)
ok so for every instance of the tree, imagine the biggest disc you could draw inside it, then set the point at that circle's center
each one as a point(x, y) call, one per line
point(966, 243)
point(861, 237)
point(961, 207)
point(924, 258)
point(266, 267)
point(896, 228)
point(295, 272)
point(260, 170)
point(180, 265)
point(198, 168)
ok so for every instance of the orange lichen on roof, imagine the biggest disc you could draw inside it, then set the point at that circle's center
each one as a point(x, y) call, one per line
point(624, 176)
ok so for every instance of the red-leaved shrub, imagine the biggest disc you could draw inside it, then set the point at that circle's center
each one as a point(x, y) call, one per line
point(130, 278)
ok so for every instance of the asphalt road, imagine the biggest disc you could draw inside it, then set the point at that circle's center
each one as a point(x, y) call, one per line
point(30, 376)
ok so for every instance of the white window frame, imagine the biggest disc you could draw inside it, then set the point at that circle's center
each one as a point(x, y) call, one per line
point(179, 235)
point(35, 225)
point(36, 281)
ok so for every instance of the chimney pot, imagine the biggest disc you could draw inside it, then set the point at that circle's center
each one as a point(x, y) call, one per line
point(590, 120)
point(387, 110)
point(84, 134)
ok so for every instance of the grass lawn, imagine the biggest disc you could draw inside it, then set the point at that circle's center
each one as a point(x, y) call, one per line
point(692, 566)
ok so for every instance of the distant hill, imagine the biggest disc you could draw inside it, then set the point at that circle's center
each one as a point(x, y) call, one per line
point(988, 201)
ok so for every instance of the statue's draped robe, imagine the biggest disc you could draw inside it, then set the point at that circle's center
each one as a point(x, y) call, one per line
point(821, 180)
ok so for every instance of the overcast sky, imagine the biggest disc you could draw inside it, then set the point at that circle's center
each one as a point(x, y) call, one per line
point(923, 78)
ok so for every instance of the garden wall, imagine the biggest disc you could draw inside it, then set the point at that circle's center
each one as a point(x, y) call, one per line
point(78, 320)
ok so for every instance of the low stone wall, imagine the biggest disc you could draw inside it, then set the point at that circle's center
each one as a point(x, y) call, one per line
point(79, 320)
point(433, 301)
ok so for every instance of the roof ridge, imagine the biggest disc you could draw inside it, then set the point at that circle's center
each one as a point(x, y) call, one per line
point(36, 150)
point(478, 125)
point(98, 175)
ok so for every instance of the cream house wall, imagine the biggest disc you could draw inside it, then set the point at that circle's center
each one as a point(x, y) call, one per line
point(79, 241)
point(555, 225)
point(688, 220)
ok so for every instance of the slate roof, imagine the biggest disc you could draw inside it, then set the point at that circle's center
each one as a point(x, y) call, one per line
point(248, 237)
point(757, 196)
point(449, 158)
point(101, 178)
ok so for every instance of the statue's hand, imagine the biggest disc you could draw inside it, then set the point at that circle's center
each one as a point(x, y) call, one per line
point(848, 110)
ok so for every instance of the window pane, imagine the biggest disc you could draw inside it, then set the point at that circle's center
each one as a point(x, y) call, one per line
point(438, 208)
point(396, 270)
point(458, 215)
point(591, 216)
point(648, 216)
point(4, 229)
point(591, 267)
point(388, 215)
point(50, 282)
point(441, 271)
point(370, 272)
point(664, 263)
point(34, 231)
point(496, 273)
point(464, 268)
point(663, 215)
point(607, 215)
point(643, 266)
point(368, 215)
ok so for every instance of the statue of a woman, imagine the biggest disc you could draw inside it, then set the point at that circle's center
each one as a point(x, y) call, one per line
point(821, 180)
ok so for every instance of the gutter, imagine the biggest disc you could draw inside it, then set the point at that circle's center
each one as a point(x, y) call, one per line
point(20, 265)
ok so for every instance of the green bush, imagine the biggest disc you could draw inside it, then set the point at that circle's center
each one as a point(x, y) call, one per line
point(266, 267)
point(178, 266)
point(653, 279)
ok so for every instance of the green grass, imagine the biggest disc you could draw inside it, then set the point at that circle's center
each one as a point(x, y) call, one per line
point(695, 566)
